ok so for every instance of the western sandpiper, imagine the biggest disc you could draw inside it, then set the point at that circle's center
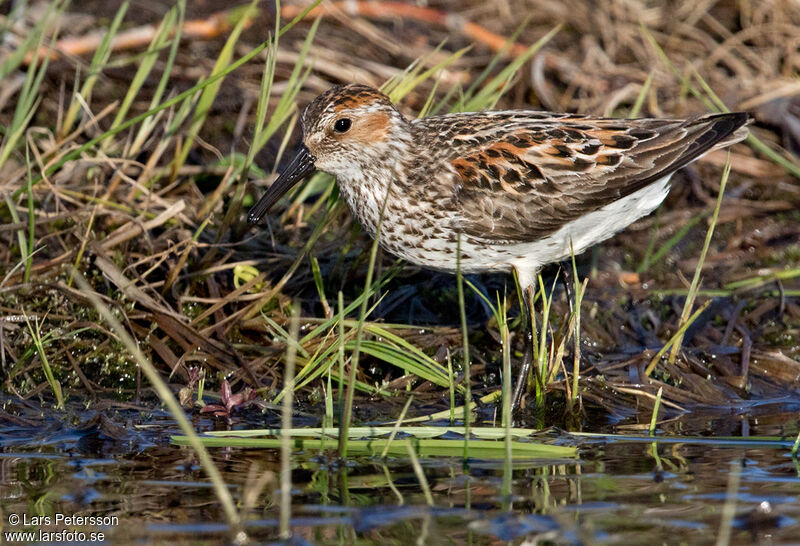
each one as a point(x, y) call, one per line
point(520, 188)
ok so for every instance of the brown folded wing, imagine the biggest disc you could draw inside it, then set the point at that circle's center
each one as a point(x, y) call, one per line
point(519, 179)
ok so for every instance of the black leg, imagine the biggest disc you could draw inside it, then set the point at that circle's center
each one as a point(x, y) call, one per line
point(569, 281)
point(522, 378)
point(527, 357)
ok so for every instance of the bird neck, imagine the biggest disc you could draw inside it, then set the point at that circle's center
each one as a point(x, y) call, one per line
point(376, 181)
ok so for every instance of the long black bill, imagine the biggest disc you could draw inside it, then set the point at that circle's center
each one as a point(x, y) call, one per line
point(301, 166)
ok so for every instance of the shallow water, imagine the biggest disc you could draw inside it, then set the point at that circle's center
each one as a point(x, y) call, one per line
point(622, 489)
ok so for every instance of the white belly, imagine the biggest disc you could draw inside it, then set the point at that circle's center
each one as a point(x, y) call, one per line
point(587, 230)
point(434, 246)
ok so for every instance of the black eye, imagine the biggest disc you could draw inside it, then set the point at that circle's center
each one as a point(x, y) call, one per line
point(342, 125)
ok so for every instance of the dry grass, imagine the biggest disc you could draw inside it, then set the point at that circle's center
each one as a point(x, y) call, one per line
point(160, 239)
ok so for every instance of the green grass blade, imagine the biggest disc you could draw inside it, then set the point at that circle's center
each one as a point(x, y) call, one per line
point(493, 90)
point(670, 243)
point(39, 344)
point(166, 28)
point(99, 61)
point(695, 285)
point(713, 102)
point(479, 449)
point(423, 481)
point(179, 98)
point(148, 123)
point(286, 425)
point(31, 219)
point(637, 106)
point(399, 358)
point(209, 93)
point(676, 336)
point(32, 42)
point(27, 103)
point(464, 348)
point(286, 105)
point(166, 396)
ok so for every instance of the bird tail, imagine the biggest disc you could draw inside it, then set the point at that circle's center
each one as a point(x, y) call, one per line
point(733, 124)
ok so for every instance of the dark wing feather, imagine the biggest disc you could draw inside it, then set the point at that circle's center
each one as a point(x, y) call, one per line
point(521, 176)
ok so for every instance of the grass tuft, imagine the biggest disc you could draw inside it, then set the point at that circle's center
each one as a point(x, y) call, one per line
point(695, 285)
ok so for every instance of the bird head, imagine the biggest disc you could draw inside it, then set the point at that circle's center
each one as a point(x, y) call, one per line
point(347, 131)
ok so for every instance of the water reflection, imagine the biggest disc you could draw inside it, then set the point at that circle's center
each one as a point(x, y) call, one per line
point(618, 492)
